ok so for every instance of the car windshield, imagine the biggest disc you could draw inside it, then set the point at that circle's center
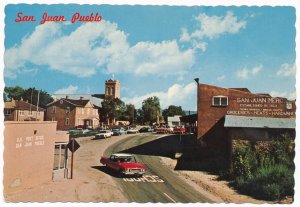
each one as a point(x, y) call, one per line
point(126, 159)
point(102, 131)
point(115, 130)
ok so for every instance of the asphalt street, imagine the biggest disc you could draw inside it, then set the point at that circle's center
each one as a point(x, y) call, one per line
point(159, 184)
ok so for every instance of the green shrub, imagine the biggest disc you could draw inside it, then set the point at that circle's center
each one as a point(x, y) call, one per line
point(244, 162)
point(264, 170)
point(270, 192)
point(269, 183)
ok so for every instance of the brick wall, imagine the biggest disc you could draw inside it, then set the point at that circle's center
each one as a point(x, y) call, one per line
point(240, 103)
point(210, 126)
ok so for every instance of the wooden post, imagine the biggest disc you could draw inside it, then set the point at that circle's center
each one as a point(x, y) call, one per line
point(72, 157)
point(229, 149)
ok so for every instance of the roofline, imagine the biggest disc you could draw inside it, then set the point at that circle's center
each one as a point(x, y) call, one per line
point(67, 101)
point(16, 107)
point(257, 94)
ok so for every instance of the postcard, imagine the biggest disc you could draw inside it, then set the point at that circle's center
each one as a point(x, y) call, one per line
point(143, 103)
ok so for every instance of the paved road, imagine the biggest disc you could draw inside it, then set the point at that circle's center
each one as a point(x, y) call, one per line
point(159, 184)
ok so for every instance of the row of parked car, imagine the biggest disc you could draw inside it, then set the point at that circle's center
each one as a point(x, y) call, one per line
point(106, 133)
point(115, 132)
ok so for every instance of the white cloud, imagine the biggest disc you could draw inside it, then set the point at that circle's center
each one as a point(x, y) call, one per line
point(256, 69)
point(179, 95)
point(92, 47)
point(284, 94)
point(245, 73)
point(185, 37)
point(287, 70)
point(199, 45)
point(211, 27)
point(148, 58)
point(68, 90)
point(220, 78)
point(78, 53)
point(214, 26)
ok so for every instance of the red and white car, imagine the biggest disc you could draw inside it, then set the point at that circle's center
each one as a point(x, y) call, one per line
point(124, 164)
point(179, 130)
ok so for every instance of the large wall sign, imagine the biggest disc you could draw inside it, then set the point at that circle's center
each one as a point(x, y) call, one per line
point(261, 106)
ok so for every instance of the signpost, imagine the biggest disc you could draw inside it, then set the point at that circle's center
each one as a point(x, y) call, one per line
point(72, 146)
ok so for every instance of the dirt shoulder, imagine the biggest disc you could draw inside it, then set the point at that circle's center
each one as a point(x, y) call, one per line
point(217, 190)
point(209, 185)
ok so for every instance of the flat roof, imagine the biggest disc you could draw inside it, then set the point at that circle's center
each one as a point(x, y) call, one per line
point(259, 122)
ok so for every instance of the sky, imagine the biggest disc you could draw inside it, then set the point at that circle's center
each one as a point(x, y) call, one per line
point(152, 50)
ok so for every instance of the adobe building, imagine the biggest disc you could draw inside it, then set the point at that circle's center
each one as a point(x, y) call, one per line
point(70, 113)
point(34, 153)
point(19, 110)
point(236, 113)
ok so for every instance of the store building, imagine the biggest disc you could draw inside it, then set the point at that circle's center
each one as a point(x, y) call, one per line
point(236, 113)
point(174, 121)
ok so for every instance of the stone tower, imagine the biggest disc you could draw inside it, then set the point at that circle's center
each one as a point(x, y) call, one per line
point(112, 88)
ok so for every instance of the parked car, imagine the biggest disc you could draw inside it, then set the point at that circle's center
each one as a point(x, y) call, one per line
point(162, 130)
point(123, 164)
point(103, 134)
point(170, 129)
point(179, 130)
point(146, 129)
point(76, 131)
point(118, 131)
point(132, 131)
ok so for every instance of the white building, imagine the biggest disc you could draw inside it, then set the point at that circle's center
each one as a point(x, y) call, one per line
point(174, 121)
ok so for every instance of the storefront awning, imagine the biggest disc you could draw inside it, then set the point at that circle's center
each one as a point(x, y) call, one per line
point(259, 122)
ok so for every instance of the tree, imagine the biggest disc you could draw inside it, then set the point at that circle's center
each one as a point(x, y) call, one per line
point(151, 109)
point(13, 93)
point(172, 111)
point(34, 96)
point(130, 114)
point(31, 95)
point(140, 116)
point(112, 109)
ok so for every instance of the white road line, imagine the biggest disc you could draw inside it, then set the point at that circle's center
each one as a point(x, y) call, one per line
point(170, 198)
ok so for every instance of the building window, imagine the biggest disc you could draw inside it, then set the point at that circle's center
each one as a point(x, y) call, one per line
point(60, 156)
point(67, 109)
point(7, 112)
point(21, 113)
point(220, 101)
point(53, 109)
point(29, 113)
point(67, 122)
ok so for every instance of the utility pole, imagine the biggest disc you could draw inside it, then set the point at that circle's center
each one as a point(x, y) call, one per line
point(37, 105)
point(197, 81)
